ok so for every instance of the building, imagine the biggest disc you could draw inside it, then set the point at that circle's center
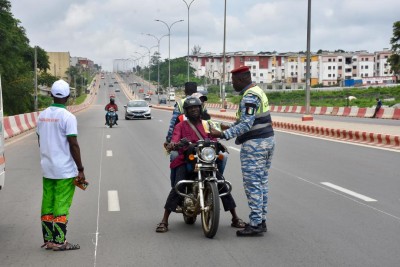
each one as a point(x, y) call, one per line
point(59, 64)
point(327, 68)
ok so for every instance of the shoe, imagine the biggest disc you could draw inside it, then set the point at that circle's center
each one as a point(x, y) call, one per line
point(250, 231)
point(116, 123)
point(48, 245)
point(263, 225)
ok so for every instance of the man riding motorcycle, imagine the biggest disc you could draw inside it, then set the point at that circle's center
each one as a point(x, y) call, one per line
point(108, 107)
point(192, 108)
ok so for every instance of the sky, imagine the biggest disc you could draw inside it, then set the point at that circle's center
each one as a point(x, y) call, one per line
point(104, 30)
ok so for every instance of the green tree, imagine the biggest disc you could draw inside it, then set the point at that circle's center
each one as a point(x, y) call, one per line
point(394, 59)
point(15, 63)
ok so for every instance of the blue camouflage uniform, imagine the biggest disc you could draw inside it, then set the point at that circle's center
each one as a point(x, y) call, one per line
point(254, 131)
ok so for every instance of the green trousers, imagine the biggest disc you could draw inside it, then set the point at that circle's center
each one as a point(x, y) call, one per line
point(56, 202)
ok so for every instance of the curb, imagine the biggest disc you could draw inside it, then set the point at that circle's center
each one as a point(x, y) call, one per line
point(375, 139)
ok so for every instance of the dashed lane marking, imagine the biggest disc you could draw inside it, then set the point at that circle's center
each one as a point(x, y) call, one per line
point(109, 153)
point(113, 201)
point(349, 192)
point(108, 136)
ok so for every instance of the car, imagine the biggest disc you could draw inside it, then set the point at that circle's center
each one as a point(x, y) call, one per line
point(136, 109)
point(117, 90)
point(171, 96)
point(115, 82)
point(163, 100)
point(147, 97)
point(110, 85)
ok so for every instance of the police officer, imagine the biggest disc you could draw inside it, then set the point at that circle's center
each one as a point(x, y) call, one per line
point(253, 130)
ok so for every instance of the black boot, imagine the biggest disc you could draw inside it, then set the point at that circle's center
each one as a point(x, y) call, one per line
point(263, 225)
point(251, 231)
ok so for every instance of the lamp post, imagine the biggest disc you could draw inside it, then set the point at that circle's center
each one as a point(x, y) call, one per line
point(307, 116)
point(188, 8)
point(158, 62)
point(223, 63)
point(36, 81)
point(169, 48)
point(148, 49)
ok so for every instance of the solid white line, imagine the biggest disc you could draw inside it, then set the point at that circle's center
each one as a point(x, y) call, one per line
point(108, 136)
point(113, 201)
point(98, 204)
point(349, 192)
point(109, 153)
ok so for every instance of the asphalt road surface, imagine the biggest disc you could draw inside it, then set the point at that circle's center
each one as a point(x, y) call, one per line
point(330, 203)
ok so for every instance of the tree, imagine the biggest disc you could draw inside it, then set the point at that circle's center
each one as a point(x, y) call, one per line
point(394, 59)
point(15, 64)
point(196, 50)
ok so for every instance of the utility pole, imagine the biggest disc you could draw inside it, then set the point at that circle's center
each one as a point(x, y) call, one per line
point(36, 78)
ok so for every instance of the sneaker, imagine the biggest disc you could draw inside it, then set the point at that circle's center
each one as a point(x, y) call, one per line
point(250, 231)
point(263, 225)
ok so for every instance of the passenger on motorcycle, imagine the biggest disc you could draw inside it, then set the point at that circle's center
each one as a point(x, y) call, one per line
point(192, 109)
point(108, 107)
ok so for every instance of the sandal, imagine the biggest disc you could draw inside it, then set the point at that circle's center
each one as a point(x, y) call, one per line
point(162, 227)
point(48, 245)
point(65, 246)
point(238, 223)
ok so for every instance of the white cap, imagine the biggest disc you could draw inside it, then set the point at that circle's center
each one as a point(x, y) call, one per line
point(199, 96)
point(60, 89)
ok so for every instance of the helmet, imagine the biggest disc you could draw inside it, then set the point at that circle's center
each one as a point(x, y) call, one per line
point(190, 102)
point(112, 100)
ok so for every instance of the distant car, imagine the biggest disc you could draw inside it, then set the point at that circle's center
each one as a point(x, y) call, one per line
point(136, 109)
point(117, 90)
point(115, 82)
point(147, 97)
point(163, 100)
point(110, 85)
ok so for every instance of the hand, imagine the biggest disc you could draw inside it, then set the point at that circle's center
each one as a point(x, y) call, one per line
point(165, 145)
point(215, 133)
point(171, 146)
point(225, 126)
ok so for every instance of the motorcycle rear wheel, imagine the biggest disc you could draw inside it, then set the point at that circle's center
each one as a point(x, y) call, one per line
point(210, 218)
point(110, 122)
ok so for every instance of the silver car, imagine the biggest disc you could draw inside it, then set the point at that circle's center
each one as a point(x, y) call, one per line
point(137, 109)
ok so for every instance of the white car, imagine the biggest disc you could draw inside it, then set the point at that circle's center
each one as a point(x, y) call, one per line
point(136, 109)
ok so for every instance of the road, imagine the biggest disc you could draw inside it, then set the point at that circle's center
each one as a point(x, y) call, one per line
point(309, 222)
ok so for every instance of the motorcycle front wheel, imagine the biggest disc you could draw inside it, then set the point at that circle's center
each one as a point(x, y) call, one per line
point(210, 215)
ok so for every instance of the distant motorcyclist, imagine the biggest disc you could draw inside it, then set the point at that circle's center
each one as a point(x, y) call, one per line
point(109, 106)
point(192, 108)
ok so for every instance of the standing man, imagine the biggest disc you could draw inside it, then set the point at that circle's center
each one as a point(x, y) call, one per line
point(253, 130)
point(378, 107)
point(61, 164)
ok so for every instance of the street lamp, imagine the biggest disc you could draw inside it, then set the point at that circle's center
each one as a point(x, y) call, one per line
point(307, 116)
point(188, 8)
point(169, 48)
point(148, 49)
point(223, 63)
point(158, 63)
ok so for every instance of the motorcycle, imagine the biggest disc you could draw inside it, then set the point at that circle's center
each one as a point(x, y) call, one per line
point(111, 117)
point(200, 188)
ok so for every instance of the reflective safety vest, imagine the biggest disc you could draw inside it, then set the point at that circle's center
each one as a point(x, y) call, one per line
point(262, 126)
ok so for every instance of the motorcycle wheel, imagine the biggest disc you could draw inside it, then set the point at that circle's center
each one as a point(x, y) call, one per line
point(110, 122)
point(210, 218)
point(189, 220)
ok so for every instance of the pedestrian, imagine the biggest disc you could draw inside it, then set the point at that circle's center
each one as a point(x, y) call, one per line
point(253, 130)
point(61, 165)
point(378, 107)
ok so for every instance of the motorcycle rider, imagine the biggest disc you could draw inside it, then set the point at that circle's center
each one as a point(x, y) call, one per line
point(108, 107)
point(192, 108)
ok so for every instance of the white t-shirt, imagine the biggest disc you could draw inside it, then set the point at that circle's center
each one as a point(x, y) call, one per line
point(54, 125)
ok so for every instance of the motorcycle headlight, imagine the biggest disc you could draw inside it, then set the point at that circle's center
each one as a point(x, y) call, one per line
point(208, 154)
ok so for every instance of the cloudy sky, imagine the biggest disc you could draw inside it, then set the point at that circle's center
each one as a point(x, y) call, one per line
point(103, 30)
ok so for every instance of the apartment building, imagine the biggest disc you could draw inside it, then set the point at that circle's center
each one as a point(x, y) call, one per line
point(327, 68)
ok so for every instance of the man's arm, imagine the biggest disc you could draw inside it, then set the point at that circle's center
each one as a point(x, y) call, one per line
point(76, 154)
point(175, 115)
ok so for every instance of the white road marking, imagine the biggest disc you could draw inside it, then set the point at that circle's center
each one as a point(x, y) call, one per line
point(113, 201)
point(109, 153)
point(108, 136)
point(349, 192)
point(234, 148)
